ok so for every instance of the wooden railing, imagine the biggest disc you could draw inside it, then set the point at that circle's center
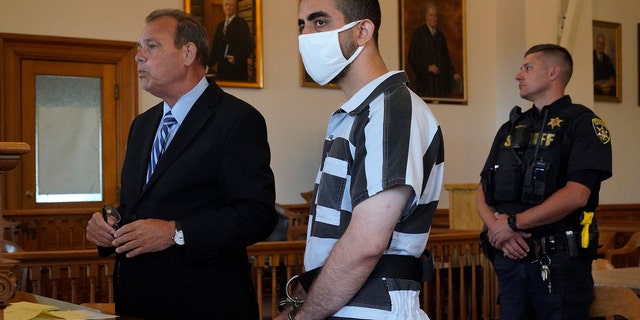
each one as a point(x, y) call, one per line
point(58, 262)
point(75, 276)
point(47, 229)
point(463, 286)
point(274, 263)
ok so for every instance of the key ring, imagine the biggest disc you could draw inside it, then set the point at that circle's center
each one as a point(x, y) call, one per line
point(545, 261)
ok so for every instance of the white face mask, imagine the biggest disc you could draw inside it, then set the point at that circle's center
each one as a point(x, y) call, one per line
point(322, 56)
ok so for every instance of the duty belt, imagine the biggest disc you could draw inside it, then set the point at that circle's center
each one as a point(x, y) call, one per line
point(558, 243)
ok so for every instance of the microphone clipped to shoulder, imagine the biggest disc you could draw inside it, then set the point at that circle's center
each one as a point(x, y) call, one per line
point(515, 114)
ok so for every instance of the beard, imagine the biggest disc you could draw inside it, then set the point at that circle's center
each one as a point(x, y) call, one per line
point(341, 75)
point(348, 49)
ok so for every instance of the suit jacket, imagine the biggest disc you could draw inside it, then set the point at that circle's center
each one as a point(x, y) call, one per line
point(237, 42)
point(603, 70)
point(215, 179)
point(427, 49)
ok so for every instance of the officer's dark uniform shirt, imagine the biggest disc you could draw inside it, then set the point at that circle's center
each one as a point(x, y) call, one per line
point(575, 146)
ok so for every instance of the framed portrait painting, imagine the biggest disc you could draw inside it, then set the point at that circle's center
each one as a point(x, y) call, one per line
point(234, 31)
point(607, 62)
point(432, 49)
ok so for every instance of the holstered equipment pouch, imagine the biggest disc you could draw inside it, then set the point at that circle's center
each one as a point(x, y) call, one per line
point(487, 248)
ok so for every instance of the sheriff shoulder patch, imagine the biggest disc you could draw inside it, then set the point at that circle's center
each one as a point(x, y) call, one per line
point(601, 130)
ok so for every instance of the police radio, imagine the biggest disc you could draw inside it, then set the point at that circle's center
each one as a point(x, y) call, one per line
point(535, 176)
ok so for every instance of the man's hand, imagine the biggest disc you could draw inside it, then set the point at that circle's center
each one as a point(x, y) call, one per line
point(99, 232)
point(142, 236)
point(511, 243)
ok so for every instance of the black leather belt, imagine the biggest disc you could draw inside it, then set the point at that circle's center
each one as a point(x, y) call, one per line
point(389, 266)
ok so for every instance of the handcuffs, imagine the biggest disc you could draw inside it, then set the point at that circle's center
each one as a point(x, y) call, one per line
point(294, 302)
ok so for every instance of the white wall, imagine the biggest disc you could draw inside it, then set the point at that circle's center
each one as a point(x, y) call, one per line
point(623, 118)
point(498, 32)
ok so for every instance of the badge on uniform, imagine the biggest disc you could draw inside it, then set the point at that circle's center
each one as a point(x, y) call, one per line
point(601, 130)
point(555, 122)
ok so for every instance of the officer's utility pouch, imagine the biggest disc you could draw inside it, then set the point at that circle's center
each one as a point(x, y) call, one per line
point(507, 181)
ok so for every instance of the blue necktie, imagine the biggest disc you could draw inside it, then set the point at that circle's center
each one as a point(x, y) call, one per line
point(160, 143)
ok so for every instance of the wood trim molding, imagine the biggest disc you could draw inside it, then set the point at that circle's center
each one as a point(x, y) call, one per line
point(14, 48)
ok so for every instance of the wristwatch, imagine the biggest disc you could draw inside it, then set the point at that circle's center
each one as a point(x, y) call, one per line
point(178, 237)
point(513, 222)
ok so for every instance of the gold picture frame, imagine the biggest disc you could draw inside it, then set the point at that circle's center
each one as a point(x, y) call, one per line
point(307, 81)
point(249, 14)
point(607, 54)
point(434, 85)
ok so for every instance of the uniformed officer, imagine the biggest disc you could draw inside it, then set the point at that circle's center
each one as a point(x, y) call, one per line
point(539, 191)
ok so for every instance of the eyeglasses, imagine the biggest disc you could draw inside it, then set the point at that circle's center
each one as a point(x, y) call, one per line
point(111, 215)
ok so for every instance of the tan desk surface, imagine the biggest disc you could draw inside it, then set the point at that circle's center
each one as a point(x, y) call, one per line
point(106, 308)
point(619, 277)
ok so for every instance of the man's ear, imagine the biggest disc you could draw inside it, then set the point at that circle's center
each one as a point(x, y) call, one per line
point(365, 31)
point(554, 73)
point(190, 52)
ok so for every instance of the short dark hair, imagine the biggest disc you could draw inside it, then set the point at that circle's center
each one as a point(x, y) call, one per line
point(189, 29)
point(556, 52)
point(354, 10)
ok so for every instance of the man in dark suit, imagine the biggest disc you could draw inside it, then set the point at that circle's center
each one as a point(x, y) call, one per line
point(429, 59)
point(232, 45)
point(604, 73)
point(181, 245)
